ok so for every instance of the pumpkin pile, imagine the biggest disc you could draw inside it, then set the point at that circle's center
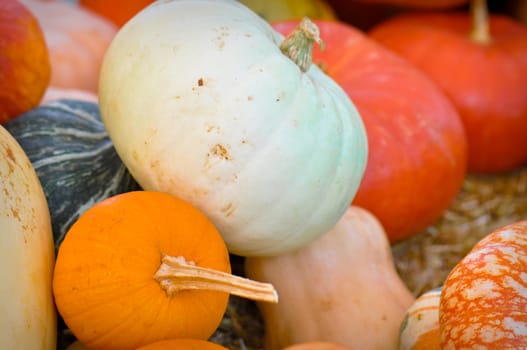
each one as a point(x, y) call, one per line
point(162, 159)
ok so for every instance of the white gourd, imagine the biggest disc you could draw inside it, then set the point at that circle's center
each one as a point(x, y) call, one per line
point(27, 312)
point(200, 102)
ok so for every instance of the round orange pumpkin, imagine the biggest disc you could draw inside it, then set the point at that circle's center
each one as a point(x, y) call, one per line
point(142, 267)
point(24, 60)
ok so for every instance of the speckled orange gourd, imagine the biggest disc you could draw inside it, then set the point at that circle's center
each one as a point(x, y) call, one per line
point(484, 300)
point(420, 328)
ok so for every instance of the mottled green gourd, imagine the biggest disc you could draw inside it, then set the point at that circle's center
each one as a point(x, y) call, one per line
point(73, 157)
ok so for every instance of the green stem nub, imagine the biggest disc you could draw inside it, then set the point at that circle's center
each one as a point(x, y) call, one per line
point(298, 45)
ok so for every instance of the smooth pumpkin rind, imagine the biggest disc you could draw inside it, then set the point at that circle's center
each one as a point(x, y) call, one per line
point(27, 311)
point(486, 87)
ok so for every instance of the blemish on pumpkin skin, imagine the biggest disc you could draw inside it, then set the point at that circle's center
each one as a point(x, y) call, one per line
point(11, 157)
point(228, 210)
point(219, 151)
point(211, 128)
point(223, 32)
point(135, 155)
point(15, 214)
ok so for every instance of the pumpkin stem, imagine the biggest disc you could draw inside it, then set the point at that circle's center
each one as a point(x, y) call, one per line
point(177, 274)
point(480, 22)
point(298, 45)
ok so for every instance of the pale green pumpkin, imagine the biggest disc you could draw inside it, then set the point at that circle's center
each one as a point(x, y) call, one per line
point(200, 102)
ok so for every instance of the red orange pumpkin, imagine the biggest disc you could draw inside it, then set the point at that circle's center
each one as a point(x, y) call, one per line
point(480, 62)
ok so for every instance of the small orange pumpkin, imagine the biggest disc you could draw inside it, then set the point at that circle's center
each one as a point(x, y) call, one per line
point(144, 266)
point(483, 304)
point(183, 344)
point(24, 60)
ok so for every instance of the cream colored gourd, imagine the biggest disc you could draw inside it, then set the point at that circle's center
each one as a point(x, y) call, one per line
point(341, 288)
point(420, 327)
point(200, 102)
point(27, 312)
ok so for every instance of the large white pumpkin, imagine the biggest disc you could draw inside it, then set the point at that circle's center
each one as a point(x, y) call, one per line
point(27, 312)
point(200, 102)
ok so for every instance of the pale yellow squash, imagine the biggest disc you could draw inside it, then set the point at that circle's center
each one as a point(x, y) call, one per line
point(27, 312)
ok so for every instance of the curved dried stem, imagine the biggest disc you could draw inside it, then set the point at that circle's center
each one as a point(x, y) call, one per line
point(176, 274)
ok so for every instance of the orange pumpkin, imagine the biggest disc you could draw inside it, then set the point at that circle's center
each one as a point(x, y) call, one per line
point(480, 62)
point(117, 11)
point(77, 40)
point(183, 344)
point(24, 60)
point(483, 304)
point(141, 267)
